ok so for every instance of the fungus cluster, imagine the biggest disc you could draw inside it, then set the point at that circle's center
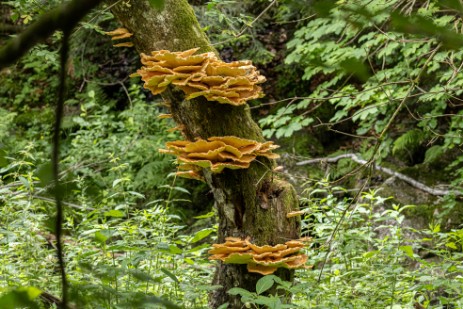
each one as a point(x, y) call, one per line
point(259, 259)
point(201, 75)
point(217, 153)
point(120, 34)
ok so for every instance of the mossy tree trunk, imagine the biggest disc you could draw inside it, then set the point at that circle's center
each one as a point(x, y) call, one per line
point(251, 203)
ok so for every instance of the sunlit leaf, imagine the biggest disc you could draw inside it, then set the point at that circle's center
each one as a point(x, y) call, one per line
point(202, 234)
point(102, 236)
point(205, 216)
point(114, 213)
point(20, 298)
point(408, 250)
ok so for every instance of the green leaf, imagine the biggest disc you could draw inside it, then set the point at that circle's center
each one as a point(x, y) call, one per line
point(263, 284)
point(20, 298)
point(45, 174)
point(408, 250)
point(25, 182)
point(370, 254)
point(433, 153)
point(323, 8)
point(180, 189)
point(270, 302)
point(136, 194)
point(157, 4)
point(102, 236)
point(223, 306)
point(240, 291)
point(142, 276)
point(114, 213)
point(200, 247)
point(175, 250)
point(201, 234)
point(170, 275)
point(408, 141)
point(435, 228)
point(205, 216)
point(140, 300)
point(356, 67)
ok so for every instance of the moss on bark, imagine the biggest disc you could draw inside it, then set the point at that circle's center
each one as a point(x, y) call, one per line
point(174, 28)
point(250, 203)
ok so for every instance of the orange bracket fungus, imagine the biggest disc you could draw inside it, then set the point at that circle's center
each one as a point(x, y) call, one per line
point(201, 75)
point(217, 153)
point(119, 34)
point(264, 260)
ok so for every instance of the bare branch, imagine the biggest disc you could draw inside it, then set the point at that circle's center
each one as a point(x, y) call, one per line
point(409, 180)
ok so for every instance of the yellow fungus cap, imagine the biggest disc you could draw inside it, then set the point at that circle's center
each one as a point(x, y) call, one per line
point(217, 153)
point(200, 75)
point(264, 260)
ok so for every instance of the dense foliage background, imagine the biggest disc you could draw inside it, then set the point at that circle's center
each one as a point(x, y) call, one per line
point(380, 80)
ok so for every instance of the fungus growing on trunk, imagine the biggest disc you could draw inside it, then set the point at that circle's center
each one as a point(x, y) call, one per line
point(201, 75)
point(217, 153)
point(119, 34)
point(264, 260)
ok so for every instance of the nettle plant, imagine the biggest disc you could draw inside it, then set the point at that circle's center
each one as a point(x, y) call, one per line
point(389, 68)
point(363, 253)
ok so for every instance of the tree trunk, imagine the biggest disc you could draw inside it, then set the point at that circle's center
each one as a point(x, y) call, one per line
point(252, 202)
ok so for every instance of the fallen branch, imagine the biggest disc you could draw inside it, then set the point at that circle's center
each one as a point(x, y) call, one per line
point(419, 185)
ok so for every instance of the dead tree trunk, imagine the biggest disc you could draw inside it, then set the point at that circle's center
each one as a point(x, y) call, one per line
point(251, 202)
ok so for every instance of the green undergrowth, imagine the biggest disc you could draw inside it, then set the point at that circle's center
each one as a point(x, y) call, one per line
point(125, 238)
point(363, 256)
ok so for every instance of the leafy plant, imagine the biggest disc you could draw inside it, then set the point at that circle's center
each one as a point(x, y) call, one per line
point(383, 78)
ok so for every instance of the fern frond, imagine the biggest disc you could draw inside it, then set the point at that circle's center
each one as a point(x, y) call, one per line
point(408, 141)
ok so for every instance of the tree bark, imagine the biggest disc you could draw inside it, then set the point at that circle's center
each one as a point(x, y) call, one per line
point(251, 203)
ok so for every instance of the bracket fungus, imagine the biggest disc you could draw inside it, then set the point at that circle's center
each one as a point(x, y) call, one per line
point(119, 34)
point(201, 75)
point(264, 260)
point(217, 153)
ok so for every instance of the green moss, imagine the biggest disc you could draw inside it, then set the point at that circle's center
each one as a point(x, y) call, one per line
point(187, 28)
point(270, 225)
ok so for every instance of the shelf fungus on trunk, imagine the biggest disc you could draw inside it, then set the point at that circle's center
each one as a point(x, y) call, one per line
point(264, 260)
point(201, 75)
point(120, 34)
point(217, 153)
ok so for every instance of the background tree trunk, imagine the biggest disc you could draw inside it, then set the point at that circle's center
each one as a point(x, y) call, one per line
point(251, 202)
